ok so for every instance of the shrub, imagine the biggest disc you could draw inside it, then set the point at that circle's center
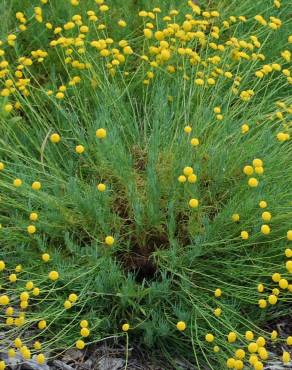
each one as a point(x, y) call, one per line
point(145, 178)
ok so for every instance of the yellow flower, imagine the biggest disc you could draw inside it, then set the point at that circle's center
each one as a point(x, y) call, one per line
point(235, 217)
point(283, 284)
point(188, 171)
point(40, 359)
point(60, 95)
point(257, 162)
point(249, 335)
point(84, 323)
point(84, 332)
point(17, 183)
point(31, 229)
point(194, 203)
point(181, 326)
point(101, 133)
point(101, 187)
point(192, 178)
point(266, 216)
point(265, 229)
point(4, 300)
point(182, 179)
point(209, 338)
point(73, 297)
point(55, 138)
point(122, 23)
point(244, 235)
point(218, 293)
point(79, 149)
point(272, 299)
point(33, 216)
point(2, 265)
point(36, 185)
point(231, 337)
point(244, 128)
point(188, 129)
point(67, 305)
point(80, 344)
point(109, 240)
point(8, 108)
point(248, 170)
point(253, 182)
point(195, 141)
point(240, 354)
point(53, 275)
point(125, 327)
point(286, 357)
point(217, 312)
point(46, 257)
point(42, 324)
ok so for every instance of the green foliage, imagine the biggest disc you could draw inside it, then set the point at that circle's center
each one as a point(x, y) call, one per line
point(167, 258)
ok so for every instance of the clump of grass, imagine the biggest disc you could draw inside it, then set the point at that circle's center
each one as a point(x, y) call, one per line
point(145, 178)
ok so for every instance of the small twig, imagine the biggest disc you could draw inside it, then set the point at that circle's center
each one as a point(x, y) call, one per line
point(127, 351)
point(44, 143)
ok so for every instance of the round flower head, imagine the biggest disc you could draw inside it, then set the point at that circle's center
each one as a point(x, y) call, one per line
point(42, 324)
point(53, 275)
point(192, 178)
point(55, 138)
point(80, 344)
point(33, 216)
point(235, 217)
point(253, 182)
point(194, 203)
point(125, 327)
point(218, 293)
point(73, 297)
point(101, 133)
point(195, 141)
point(266, 216)
point(31, 229)
point(248, 170)
point(2, 265)
point(257, 162)
point(109, 240)
point(182, 179)
point(17, 183)
point(188, 129)
point(181, 326)
point(84, 332)
point(209, 338)
point(67, 305)
point(101, 187)
point(272, 299)
point(46, 257)
point(265, 229)
point(244, 235)
point(188, 171)
point(40, 358)
point(286, 357)
point(231, 337)
point(84, 323)
point(249, 335)
point(79, 149)
point(36, 185)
